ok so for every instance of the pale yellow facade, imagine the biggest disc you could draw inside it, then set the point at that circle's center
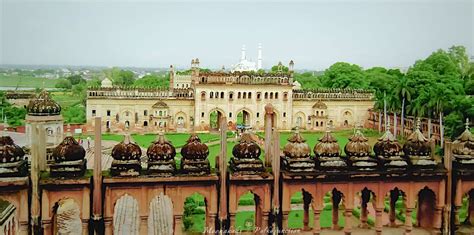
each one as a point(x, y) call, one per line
point(188, 104)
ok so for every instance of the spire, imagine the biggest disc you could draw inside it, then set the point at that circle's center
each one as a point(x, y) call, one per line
point(259, 57)
point(243, 57)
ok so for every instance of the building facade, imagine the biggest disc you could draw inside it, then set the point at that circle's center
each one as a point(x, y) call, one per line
point(197, 100)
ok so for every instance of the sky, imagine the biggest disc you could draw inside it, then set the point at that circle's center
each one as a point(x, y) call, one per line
point(315, 34)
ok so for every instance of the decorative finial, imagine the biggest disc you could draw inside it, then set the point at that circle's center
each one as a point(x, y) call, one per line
point(5, 126)
point(467, 124)
point(68, 130)
point(297, 130)
point(418, 123)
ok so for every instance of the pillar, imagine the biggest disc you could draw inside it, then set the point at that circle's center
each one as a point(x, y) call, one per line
point(211, 223)
point(363, 216)
point(408, 221)
point(348, 219)
point(268, 133)
point(317, 223)
point(97, 221)
point(264, 228)
point(378, 220)
point(232, 228)
point(178, 224)
point(285, 219)
point(438, 220)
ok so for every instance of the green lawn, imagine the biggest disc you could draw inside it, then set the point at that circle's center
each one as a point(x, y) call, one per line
point(65, 99)
point(26, 81)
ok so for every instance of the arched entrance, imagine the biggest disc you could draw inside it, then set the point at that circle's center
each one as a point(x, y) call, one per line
point(214, 119)
point(161, 219)
point(66, 218)
point(243, 119)
point(126, 219)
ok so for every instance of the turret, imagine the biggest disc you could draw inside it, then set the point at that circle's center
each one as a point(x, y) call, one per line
point(195, 71)
point(171, 77)
point(259, 57)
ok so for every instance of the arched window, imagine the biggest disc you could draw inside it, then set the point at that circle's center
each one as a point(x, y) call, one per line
point(160, 113)
point(266, 95)
point(231, 95)
point(322, 124)
point(244, 95)
point(317, 124)
point(222, 95)
point(258, 95)
point(276, 95)
point(317, 113)
point(238, 95)
point(145, 123)
point(211, 95)
point(322, 113)
point(250, 95)
point(203, 95)
point(284, 114)
point(271, 95)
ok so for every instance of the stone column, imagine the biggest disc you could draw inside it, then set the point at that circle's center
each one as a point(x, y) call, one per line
point(268, 133)
point(408, 221)
point(317, 223)
point(264, 227)
point(233, 227)
point(178, 224)
point(285, 220)
point(348, 220)
point(211, 223)
point(438, 219)
point(109, 229)
point(97, 181)
point(223, 197)
point(378, 220)
point(37, 146)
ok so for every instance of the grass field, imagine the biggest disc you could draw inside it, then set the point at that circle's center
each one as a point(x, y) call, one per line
point(26, 81)
point(65, 99)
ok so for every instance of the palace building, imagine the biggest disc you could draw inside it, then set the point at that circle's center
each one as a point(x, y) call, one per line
point(196, 100)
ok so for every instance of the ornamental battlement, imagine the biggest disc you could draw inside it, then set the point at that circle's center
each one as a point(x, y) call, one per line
point(279, 78)
point(139, 93)
point(333, 94)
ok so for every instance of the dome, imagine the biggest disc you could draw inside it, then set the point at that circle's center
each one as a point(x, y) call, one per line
point(161, 149)
point(464, 144)
point(327, 146)
point(106, 83)
point(194, 149)
point(387, 145)
point(296, 85)
point(296, 147)
point(358, 145)
point(417, 144)
point(68, 150)
point(126, 150)
point(246, 148)
point(43, 105)
point(9, 151)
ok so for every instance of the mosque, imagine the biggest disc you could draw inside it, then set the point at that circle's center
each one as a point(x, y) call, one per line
point(195, 100)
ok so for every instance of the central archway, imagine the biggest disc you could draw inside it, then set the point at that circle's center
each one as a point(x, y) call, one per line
point(243, 119)
point(214, 119)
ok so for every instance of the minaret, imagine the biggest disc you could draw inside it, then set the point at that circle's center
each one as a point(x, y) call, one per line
point(259, 58)
point(242, 58)
point(171, 77)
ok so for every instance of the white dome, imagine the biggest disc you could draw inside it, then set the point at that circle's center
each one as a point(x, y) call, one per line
point(296, 85)
point(106, 83)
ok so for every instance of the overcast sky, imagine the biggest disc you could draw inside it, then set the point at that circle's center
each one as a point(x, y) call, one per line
point(159, 33)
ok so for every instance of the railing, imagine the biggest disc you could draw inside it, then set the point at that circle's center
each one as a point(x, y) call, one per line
point(137, 93)
point(333, 94)
point(244, 78)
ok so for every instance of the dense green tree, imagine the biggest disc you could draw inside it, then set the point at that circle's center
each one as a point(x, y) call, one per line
point(276, 68)
point(120, 77)
point(74, 114)
point(308, 80)
point(95, 82)
point(344, 75)
point(152, 80)
point(63, 84)
point(76, 79)
point(15, 115)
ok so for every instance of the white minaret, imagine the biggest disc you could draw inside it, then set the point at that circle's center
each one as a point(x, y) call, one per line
point(259, 60)
point(243, 53)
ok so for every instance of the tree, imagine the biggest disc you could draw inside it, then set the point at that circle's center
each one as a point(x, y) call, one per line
point(344, 75)
point(276, 68)
point(63, 84)
point(403, 92)
point(74, 114)
point(152, 80)
point(76, 79)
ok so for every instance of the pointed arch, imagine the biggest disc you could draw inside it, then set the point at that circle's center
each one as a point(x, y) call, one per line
point(160, 218)
point(66, 217)
point(126, 218)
